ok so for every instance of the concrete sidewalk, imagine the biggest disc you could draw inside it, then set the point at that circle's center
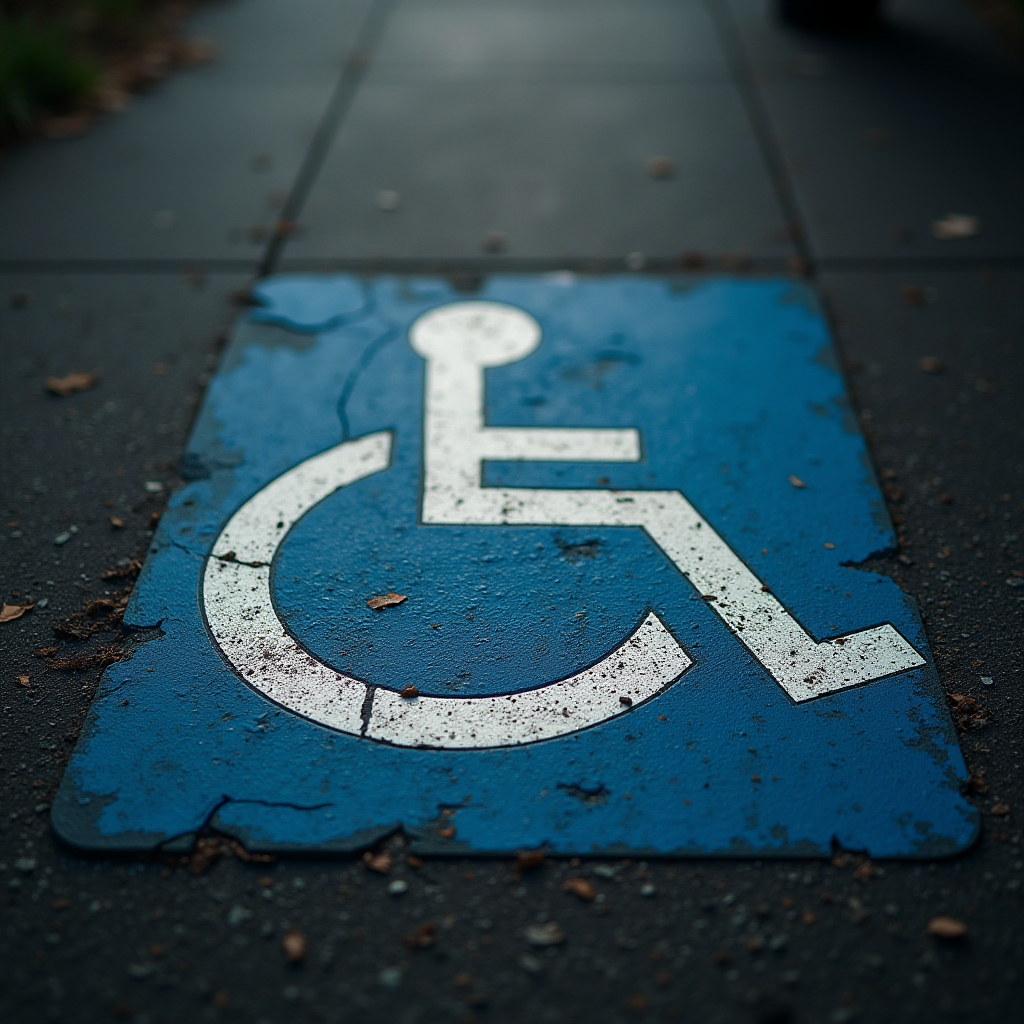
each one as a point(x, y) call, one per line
point(465, 137)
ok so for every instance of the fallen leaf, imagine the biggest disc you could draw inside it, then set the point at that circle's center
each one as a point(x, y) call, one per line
point(954, 226)
point(10, 612)
point(24, 681)
point(117, 523)
point(448, 832)
point(796, 482)
point(943, 927)
point(421, 937)
point(387, 601)
point(865, 872)
point(294, 945)
point(379, 862)
point(70, 383)
point(529, 860)
point(661, 167)
point(580, 887)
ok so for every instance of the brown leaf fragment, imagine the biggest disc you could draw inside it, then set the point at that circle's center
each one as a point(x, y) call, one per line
point(72, 630)
point(948, 928)
point(529, 860)
point(421, 937)
point(102, 658)
point(580, 887)
point(294, 946)
point(248, 857)
point(865, 872)
point(123, 572)
point(117, 522)
point(379, 862)
point(70, 383)
point(1000, 809)
point(10, 612)
point(46, 652)
point(409, 692)
point(797, 482)
point(24, 681)
point(208, 851)
point(448, 832)
point(378, 604)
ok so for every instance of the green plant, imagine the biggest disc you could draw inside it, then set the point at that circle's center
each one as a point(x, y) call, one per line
point(39, 70)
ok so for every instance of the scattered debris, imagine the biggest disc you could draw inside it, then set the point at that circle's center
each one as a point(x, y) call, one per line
point(580, 887)
point(104, 657)
point(948, 928)
point(10, 612)
point(294, 945)
point(547, 934)
point(797, 482)
point(379, 862)
point(421, 937)
point(24, 682)
point(661, 168)
point(954, 226)
point(967, 712)
point(409, 692)
point(70, 383)
point(131, 568)
point(387, 601)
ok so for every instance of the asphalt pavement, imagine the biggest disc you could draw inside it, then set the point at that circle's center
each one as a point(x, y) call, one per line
point(457, 139)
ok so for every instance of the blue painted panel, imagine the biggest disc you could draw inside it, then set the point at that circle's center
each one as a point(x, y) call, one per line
point(733, 387)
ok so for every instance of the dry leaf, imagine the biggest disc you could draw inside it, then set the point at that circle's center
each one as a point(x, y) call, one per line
point(580, 887)
point(294, 945)
point(387, 601)
point(955, 225)
point(409, 692)
point(447, 833)
point(796, 482)
point(24, 681)
point(117, 523)
point(10, 612)
point(70, 383)
point(946, 928)
point(379, 862)
point(529, 860)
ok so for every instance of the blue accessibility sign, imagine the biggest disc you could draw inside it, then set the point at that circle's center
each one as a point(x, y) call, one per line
point(565, 562)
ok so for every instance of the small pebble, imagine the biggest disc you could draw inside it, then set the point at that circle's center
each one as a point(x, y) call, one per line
point(390, 977)
point(398, 887)
point(647, 889)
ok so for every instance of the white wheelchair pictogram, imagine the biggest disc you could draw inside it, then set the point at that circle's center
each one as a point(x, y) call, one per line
point(459, 342)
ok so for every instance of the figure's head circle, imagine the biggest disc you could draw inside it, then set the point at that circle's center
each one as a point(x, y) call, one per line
point(482, 333)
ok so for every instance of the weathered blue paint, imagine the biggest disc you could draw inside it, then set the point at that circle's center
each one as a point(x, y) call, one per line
point(734, 388)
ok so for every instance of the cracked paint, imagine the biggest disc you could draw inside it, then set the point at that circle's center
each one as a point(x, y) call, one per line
point(725, 382)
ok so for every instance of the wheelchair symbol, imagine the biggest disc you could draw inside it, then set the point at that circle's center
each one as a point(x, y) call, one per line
point(459, 342)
